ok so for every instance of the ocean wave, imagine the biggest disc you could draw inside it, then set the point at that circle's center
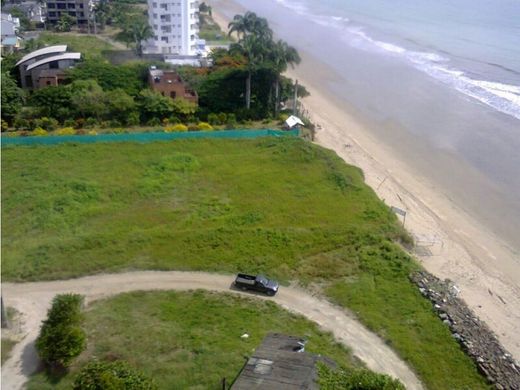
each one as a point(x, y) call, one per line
point(502, 97)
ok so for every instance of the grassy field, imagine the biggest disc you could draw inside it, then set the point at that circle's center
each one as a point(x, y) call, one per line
point(89, 45)
point(188, 340)
point(278, 206)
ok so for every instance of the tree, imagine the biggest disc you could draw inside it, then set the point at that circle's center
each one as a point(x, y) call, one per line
point(120, 105)
point(61, 338)
point(183, 108)
point(12, 98)
point(135, 30)
point(118, 375)
point(154, 105)
point(52, 101)
point(65, 23)
point(281, 55)
point(88, 99)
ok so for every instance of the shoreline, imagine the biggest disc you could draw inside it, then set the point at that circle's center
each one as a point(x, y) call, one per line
point(449, 243)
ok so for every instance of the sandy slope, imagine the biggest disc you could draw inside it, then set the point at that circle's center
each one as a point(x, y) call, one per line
point(450, 244)
point(33, 299)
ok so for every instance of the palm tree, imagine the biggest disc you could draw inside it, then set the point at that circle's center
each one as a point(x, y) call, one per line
point(254, 49)
point(141, 32)
point(281, 55)
point(249, 23)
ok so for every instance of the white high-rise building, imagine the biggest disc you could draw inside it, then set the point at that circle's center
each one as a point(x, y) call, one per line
point(175, 25)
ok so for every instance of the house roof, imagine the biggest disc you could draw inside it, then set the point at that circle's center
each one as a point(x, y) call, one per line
point(41, 52)
point(279, 363)
point(293, 121)
point(64, 56)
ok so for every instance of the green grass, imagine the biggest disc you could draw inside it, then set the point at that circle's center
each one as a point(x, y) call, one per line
point(283, 207)
point(188, 340)
point(7, 347)
point(89, 46)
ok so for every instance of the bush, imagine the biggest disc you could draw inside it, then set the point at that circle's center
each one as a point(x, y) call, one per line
point(213, 119)
point(61, 338)
point(39, 132)
point(69, 123)
point(115, 123)
point(92, 132)
point(231, 121)
point(45, 123)
point(91, 122)
point(204, 126)
point(79, 123)
point(21, 124)
point(114, 375)
point(355, 380)
point(80, 132)
point(133, 119)
point(179, 127)
point(154, 122)
point(65, 131)
point(192, 127)
point(5, 126)
point(282, 118)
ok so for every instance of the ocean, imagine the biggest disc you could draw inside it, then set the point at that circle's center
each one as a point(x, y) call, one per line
point(438, 82)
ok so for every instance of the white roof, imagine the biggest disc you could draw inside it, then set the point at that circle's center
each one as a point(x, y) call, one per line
point(64, 56)
point(41, 52)
point(293, 121)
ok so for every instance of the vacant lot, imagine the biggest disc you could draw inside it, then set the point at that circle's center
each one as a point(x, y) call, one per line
point(187, 340)
point(89, 45)
point(279, 206)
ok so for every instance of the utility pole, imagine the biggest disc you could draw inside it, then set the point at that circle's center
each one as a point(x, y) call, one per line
point(295, 108)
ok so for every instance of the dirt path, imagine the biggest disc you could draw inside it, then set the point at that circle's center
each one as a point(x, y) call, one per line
point(33, 300)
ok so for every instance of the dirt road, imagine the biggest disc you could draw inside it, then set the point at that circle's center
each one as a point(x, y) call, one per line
point(33, 300)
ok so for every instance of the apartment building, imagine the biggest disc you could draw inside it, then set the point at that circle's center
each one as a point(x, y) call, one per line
point(175, 24)
point(79, 9)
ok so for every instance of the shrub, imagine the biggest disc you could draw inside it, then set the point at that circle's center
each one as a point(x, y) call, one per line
point(115, 123)
point(21, 124)
point(114, 375)
point(91, 122)
point(80, 122)
point(213, 119)
point(80, 132)
point(173, 120)
point(118, 130)
point(92, 132)
point(231, 121)
point(45, 123)
point(192, 127)
point(5, 126)
point(65, 131)
point(133, 119)
point(39, 132)
point(69, 123)
point(204, 126)
point(154, 122)
point(222, 118)
point(61, 338)
point(355, 380)
point(179, 127)
point(282, 118)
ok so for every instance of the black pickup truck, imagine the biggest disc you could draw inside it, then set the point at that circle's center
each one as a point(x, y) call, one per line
point(256, 283)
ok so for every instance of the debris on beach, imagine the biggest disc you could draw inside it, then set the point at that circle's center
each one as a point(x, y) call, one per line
point(474, 336)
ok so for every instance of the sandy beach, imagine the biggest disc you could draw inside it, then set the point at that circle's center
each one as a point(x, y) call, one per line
point(450, 243)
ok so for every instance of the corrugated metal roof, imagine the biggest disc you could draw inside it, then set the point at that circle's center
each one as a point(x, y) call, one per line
point(64, 56)
point(41, 52)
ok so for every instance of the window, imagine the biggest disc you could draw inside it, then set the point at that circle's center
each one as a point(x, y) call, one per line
point(72, 14)
point(48, 82)
point(51, 5)
point(173, 94)
point(154, 5)
point(155, 16)
point(81, 5)
point(52, 14)
point(164, 39)
point(164, 6)
point(54, 65)
point(71, 5)
point(62, 6)
point(156, 38)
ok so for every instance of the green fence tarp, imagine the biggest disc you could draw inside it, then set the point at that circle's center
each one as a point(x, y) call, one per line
point(143, 137)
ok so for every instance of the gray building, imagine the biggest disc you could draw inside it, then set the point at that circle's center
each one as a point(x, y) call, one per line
point(46, 66)
point(33, 10)
point(78, 9)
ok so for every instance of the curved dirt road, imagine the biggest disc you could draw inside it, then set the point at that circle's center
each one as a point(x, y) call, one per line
point(33, 300)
